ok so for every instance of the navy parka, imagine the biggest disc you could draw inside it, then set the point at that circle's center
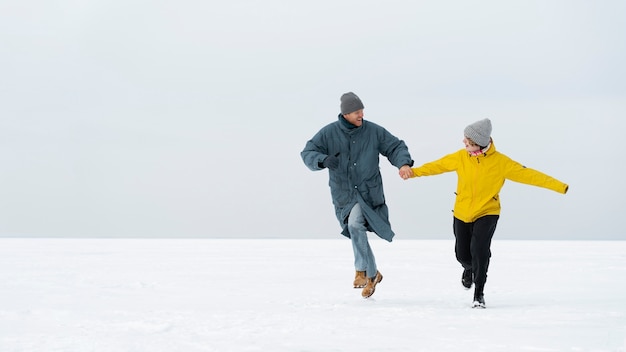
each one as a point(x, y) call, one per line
point(358, 178)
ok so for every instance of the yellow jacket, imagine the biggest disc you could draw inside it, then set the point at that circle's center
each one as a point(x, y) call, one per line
point(480, 179)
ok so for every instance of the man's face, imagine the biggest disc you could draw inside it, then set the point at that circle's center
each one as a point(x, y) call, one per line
point(355, 118)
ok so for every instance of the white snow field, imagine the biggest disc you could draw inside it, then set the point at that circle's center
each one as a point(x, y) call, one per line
point(296, 295)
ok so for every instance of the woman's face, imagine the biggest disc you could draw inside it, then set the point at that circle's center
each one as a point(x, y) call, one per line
point(470, 146)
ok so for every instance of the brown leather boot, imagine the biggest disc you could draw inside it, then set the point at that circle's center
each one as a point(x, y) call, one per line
point(360, 280)
point(369, 289)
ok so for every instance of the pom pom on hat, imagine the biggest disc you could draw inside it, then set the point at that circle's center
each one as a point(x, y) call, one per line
point(479, 132)
point(350, 103)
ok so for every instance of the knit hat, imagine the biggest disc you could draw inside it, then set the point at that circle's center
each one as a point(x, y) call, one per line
point(350, 103)
point(479, 132)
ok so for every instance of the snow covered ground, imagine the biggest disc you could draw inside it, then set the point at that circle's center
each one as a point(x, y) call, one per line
point(296, 295)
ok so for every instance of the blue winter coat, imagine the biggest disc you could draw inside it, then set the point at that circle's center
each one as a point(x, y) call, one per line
point(358, 177)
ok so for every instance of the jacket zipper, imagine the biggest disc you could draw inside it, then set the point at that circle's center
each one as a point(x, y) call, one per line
point(474, 186)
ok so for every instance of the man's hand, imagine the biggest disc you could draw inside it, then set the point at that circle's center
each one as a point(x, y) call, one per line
point(406, 172)
point(331, 162)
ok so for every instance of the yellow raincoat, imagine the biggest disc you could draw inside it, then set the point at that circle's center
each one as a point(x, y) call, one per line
point(480, 179)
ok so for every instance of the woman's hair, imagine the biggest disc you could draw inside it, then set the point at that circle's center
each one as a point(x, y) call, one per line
point(471, 142)
point(474, 144)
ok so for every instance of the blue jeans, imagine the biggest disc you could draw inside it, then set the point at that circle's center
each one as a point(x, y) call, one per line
point(363, 256)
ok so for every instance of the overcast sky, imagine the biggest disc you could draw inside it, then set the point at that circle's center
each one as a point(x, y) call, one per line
point(187, 118)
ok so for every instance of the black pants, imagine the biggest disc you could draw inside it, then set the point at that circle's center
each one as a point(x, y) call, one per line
point(473, 245)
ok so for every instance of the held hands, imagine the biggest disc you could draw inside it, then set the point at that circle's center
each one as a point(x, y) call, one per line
point(331, 162)
point(406, 172)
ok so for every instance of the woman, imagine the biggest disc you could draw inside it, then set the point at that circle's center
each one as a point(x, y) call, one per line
point(481, 172)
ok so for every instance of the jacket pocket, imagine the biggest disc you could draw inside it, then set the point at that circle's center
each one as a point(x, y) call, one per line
point(373, 194)
point(341, 195)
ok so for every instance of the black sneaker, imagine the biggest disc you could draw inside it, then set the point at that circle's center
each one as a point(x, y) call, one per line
point(466, 278)
point(479, 301)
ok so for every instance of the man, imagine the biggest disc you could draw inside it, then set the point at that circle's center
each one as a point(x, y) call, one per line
point(349, 148)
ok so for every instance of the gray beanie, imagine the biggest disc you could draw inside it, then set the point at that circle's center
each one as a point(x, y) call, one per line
point(479, 132)
point(350, 103)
